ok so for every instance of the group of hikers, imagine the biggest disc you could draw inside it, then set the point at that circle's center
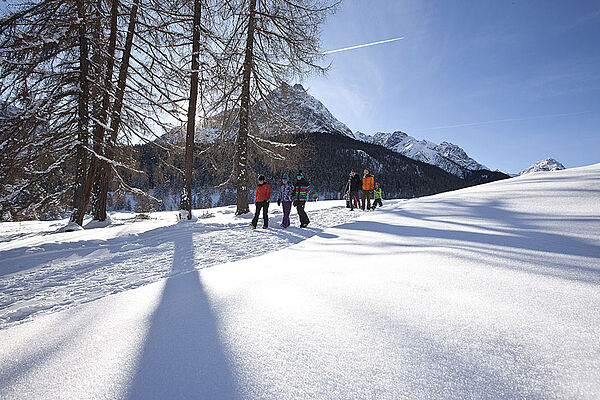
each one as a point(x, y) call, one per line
point(364, 186)
point(298, 193)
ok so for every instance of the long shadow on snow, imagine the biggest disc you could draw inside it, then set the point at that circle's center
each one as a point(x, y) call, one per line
point(18, 259)
point(183, 356)
point(527, 240)
point(519, 234)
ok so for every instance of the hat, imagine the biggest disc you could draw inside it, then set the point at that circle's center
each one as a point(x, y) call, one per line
point(285, 177)
point(261, 177)
point(300, 174)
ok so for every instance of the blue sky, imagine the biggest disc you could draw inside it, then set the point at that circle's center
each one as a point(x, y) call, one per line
point(532, 66)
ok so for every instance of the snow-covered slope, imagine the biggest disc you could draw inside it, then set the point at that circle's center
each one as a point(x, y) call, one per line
point(488, 292)
point(455, 153)
point(36, 259)
point(549, 164)
point(445, 155)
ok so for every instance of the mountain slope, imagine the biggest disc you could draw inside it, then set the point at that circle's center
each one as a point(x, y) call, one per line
point(447, 156)
point(330, 158)
point(292, 110)
point(327, 149)
point(549, 164)
point(486, 292)
point(285, 110)
point(299, 112)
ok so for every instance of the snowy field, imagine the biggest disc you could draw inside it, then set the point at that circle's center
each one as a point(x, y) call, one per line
point(42, 270)
point(487, 292)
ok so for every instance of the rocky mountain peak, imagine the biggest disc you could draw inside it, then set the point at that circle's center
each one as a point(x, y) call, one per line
point(445, 155)
point(549, 164)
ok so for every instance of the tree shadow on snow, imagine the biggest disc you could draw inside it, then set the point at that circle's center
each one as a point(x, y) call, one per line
point(513, 234)
point(183, 356)
point(121, 248)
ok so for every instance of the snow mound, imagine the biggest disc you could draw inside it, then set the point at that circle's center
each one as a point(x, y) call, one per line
point(94, 224)
point(183, 217)
point(70, 227)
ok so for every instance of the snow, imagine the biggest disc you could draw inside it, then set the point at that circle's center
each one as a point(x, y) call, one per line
point(70, 227)
point(291, 110)
point(487, 292)
point(94, 224)
point(55, 271)
point(447, 156)
point(549, 164)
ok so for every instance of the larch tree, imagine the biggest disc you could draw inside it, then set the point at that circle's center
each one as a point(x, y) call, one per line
point(116, 117)
point(186, 195)
point(281, 43)
point(103, 63)
point(43, 95)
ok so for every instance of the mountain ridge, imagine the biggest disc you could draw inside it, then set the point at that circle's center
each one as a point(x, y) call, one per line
point(447, 156)
point(290, 109)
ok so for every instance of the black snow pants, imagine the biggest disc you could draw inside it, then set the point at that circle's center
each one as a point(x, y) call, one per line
point(264, 205)
point(301, 213)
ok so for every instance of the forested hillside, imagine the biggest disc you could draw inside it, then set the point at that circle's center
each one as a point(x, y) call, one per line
point(326, 160)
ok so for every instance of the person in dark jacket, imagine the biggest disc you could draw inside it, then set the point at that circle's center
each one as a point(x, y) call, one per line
point(285, 198)
point(354, 186)
point(302, 193)
point(263, 195)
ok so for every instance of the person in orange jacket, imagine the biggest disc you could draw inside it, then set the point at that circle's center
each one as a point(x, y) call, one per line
point(263, 195)
point(368, 183)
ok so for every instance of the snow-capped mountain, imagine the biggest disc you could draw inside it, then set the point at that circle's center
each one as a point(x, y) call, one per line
point(447, 156)
point(549, 164)
point(291, 110)
point(285, 110)
point(459, 156)
point(296, 111)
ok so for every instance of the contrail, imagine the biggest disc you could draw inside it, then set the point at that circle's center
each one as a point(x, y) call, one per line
point(362, 45)
point(505, 120)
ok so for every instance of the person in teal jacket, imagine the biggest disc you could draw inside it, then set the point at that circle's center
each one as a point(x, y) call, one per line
point(303, 192)
point(377, 196)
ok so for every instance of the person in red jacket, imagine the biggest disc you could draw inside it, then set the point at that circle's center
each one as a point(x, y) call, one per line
point(263, 195)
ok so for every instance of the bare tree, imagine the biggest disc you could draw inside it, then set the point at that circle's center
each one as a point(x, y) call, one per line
point(186, 195)
point(100, 116)
point(106, 167)
point(83, 116)
point(52, 95)
point(281, 42)
point(42, 86)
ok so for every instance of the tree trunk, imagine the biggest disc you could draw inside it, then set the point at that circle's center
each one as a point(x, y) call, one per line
point(186, 195)
point(99, 130)
point(241, 151)
point(83, 117)
point(106, 169)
